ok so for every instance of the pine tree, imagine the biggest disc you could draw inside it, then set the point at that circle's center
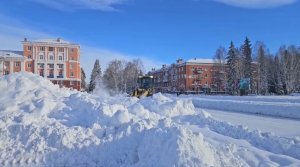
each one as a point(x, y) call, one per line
point(83, 83)
point(263, 71)
point(95, 76)
point(231, 61)
point(247, 51)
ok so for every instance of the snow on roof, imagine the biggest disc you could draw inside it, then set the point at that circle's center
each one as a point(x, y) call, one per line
point(195, 60)
point(11, 53)
point(52, 41)
point(204, 61)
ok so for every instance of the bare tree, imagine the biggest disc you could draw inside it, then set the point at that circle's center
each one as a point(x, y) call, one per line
point(218, 70)
point(121, 76)
point(290, 63)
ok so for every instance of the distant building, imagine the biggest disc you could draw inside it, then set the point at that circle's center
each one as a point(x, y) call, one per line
point(55, 59)
point(194, 75)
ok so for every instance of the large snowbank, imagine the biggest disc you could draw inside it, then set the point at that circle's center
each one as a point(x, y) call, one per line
point(264, 140)
point(43, 125)
point(285, 106)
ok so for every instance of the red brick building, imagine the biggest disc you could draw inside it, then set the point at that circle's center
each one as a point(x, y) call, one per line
point(194, 75)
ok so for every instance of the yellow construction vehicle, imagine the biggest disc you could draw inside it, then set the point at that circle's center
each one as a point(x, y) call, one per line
point(145, 87)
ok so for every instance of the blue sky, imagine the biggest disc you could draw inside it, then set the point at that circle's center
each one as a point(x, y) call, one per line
point(157, 31)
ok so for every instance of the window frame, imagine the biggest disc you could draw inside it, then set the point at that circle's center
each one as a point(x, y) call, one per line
point(28, 65)
point(60, 58)
point(71, 74)
point(42, 49)
point(72, 83)
point(42, 57)
point(7, 64)
point(51, 50)
point(71, 50)
point(51, 56)
point(17, 64)
point(29, 48)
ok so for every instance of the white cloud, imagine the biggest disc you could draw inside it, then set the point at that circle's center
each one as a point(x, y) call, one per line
point(11, 37)
point(67, 5)
point(256, 3)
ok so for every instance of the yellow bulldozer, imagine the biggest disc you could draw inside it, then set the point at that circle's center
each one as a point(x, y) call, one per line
point(145, 87)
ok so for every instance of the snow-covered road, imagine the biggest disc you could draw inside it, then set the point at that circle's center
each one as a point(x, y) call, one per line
point(279, 126)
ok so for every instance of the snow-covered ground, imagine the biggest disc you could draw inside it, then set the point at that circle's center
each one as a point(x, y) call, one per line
point(279, 126)
point(280, 106)
point(43, 125)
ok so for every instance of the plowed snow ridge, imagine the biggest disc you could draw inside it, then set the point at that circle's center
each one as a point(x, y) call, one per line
point(41, 124)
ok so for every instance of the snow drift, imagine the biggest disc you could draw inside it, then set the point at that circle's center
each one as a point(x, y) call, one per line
point(288, 106)
point(41, 124)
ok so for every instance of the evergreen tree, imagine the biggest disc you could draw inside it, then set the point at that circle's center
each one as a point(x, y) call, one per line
point(231, 61)
point(95, 76)
point(247, 51)
point(263, 71)
point(83, 83)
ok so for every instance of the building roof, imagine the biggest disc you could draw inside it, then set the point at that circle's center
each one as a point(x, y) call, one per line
point(10, 53)
point(203, 61)
point(195, 60)
point(51, 41)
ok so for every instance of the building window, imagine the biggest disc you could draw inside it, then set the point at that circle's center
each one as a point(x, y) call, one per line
point(71, 82)
point(60, 66)
point(6, 64)
point(60, 49)
point(193, 75)
point(17, 64)
point(71, 74)
point(29, 48)
point(193, 68)
point(51, 65)
point(41, 65)
point(205, 83)
point(72, 50)
point(181, 68)
point(41, 57)
point(181, 75)
point(29, 65)
point(71, 58)
point(51, 57)
point(71, 66)
point(42, 73)
point(50, 49)
point(60, 58)
point(41, 48)
point(205, 75)
point(178, 69)
point(6, 72)
point(51, 74)
point(205, 68)
point(60, 74)
point(29, 56)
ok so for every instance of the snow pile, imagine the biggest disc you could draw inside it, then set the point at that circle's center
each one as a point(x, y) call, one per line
point(263, 140)
point(167, 106)
point(43, 125)
point(283, 107)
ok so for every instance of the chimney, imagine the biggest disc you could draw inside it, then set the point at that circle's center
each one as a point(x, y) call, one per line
point(58, 39)
point(153, 69)
point(177, 61)
point(25, 39)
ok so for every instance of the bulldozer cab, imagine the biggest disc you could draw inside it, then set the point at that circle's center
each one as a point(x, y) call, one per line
point(146, 82)
point(145, 87)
